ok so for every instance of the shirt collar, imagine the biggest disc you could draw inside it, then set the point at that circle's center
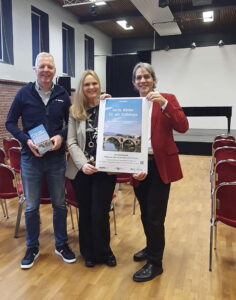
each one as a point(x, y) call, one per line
point(38, 88)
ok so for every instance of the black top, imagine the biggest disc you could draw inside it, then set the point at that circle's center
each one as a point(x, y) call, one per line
point(91, 133)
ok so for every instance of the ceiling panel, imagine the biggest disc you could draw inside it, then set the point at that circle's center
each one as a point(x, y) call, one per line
point(181, 17)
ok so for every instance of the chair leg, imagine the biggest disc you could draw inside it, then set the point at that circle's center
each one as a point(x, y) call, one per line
point(215, 229)
point(18, 219)
point(71, 216)
point(3, 209)
point(211, 243)
point(134, 205)
point(6, 210)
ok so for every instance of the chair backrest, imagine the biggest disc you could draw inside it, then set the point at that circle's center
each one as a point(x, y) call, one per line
point(220, 154)
point(225, 171)
point(221, 143)
point(8, 182)
point(14, 157)
point(226, 203)
point(226, 152)
point(70, 194)
point(2, 156)
point(224, 136)
point(9, 143)
point(123, 177)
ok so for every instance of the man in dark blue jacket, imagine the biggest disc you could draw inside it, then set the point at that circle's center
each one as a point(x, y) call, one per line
point(44, 103)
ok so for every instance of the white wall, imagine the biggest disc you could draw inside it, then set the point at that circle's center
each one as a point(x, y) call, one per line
point(22, 42)
point(203, 76)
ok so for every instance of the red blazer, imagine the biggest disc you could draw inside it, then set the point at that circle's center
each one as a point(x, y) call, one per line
point(165, 150)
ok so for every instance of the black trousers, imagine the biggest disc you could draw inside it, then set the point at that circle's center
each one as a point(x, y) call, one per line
point(94, 195)
point(152, 194)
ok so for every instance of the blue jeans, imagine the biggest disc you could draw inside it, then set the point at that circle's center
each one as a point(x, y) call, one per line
point(33, 169)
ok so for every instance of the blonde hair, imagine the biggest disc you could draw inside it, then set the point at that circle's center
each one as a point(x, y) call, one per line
point(80, 104)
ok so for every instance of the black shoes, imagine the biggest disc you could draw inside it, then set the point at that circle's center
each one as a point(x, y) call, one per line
point(141, 255)
point(66, 254)
point(111, 261)
point(89, 263)
point(147, 272)
point(31, 255)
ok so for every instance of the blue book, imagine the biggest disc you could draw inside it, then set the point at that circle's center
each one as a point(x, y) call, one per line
point(41, 139)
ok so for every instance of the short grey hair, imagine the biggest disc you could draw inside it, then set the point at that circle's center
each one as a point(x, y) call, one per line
point(147, 67)
point(43, 54)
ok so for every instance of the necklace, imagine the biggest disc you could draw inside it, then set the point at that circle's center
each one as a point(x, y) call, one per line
point(91, 129)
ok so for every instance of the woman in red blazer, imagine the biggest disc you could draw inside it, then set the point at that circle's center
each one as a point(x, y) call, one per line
point(152, 189)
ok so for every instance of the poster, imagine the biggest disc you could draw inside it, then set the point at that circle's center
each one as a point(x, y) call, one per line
point(122, 144)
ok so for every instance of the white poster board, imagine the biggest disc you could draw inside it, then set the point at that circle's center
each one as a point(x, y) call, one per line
point(122, 144)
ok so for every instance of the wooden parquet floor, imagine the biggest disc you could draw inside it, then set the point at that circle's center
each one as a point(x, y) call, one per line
point(185, 277)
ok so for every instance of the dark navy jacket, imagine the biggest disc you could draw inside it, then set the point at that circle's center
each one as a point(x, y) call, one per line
point(29, 106)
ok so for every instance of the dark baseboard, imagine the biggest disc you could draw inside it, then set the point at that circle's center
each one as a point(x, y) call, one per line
point(198, 141)
point(194, 148)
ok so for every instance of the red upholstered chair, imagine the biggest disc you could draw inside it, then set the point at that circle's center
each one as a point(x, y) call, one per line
point(125, 178)
point(9, 188)
point(223, 209)
point(71, 200)
point(9, 143)
point(2, 156)
point(122, 178)
point(2, 161)
point(221, 143)
point(224, 136)
point(14, 154)
point(14, 158)
point(223, 194)
point(220, 153)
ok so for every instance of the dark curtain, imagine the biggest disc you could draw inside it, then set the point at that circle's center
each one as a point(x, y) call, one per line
point(119, 70)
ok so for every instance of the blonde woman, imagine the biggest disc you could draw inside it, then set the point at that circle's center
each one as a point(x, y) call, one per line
point(93, 189)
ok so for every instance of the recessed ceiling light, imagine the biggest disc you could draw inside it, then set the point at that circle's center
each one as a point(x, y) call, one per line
point(208, 16)
point(123, 24)
point(100, 3)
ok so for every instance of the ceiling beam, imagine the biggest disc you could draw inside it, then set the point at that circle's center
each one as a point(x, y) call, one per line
point(69, 3)
point(203, 8)
point(110, 17)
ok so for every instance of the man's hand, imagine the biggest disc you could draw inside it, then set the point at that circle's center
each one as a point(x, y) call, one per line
point(33, 148)
point(57, 140)
point(140, 176)
point(156, 97)
point(89, 169)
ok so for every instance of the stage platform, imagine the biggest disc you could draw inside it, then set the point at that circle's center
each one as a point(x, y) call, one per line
point(198, 141)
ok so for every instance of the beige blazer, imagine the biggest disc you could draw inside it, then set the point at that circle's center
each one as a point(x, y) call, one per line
point(76, 140)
